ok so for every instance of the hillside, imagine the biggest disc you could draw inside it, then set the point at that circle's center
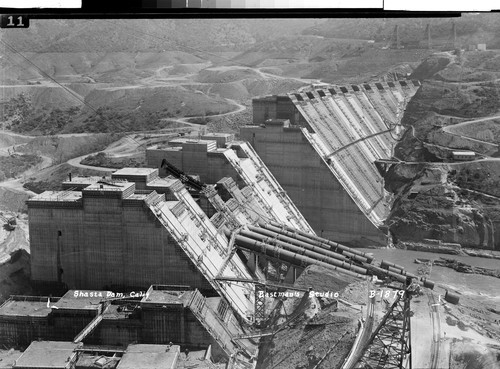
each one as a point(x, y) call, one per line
point(328, 59)
point(124, 75)
point(470, 29)
point(437, 203)
point(439, 103)
point(135, 35)
point(456, 108)
point(51, 179)
point(106, 76)
point(64, 147)
point(92, 67)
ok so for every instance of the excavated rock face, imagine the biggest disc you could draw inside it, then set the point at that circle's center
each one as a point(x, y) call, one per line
point(431, 66)
point(431, 206)
point(400, 176)
point(436, 198)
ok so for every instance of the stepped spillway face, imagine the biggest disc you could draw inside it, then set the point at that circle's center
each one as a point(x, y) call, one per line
point(321, 145)
point(352, 127)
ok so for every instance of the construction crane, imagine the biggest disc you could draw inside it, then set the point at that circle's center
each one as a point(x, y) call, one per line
point(389, 346)
point(452, 39)
point(395, 42)
point(184, 178)
point(428, 36)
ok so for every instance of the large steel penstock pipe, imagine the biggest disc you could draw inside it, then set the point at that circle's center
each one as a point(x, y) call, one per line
point(275, 238)
point(306, 237)
point(386, 264)
point(294, 258)
point(386, 273)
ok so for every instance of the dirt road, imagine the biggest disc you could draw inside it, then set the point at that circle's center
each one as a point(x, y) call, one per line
point(16, 183)
point(75, 162)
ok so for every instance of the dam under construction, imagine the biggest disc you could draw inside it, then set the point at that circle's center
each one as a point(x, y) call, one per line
point(322, 145)
point(221, 245)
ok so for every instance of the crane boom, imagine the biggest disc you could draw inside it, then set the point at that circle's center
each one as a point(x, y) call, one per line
point(184, 178)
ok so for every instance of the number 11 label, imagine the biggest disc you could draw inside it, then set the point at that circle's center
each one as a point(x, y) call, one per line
point(14, 21)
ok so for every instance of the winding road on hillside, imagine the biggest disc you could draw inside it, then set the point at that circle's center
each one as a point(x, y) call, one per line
point(451, 128)
point(128, 145)
point(471, 121)
point(188, 79)
point(16, 184)
point(198, 127)
point(133, 142)
point(265, 75)
point(455, 163)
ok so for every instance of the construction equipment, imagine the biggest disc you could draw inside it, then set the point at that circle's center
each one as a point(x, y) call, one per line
point(428, 36)
point(395, 42)
point(10, 223)
point(389, 344)
point(184, 178)
point(262, 289)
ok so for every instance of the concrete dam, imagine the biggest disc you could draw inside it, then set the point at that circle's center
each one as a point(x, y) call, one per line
point(321, 145)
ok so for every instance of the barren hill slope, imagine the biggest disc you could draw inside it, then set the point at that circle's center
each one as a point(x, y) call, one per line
point(447, 199)
point(470, 28)
point(133, 35)
point(79, 66)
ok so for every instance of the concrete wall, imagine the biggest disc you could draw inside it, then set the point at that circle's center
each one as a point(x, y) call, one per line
point(21, 331)
point(275, 107)
point(177, 325)
point(107, 243)
point(157, 323)
point(65, 325)
point(116, 332)
point(210, 167)
point(163, 324)
point(51, 227)
point(310, 184)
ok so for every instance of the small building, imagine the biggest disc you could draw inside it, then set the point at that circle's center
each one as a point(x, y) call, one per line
point(222, 139)
point(48, 354)
point(477, 47)
point(463, 155)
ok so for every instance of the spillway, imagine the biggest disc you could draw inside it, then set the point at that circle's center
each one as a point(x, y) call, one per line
point(322, 143)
